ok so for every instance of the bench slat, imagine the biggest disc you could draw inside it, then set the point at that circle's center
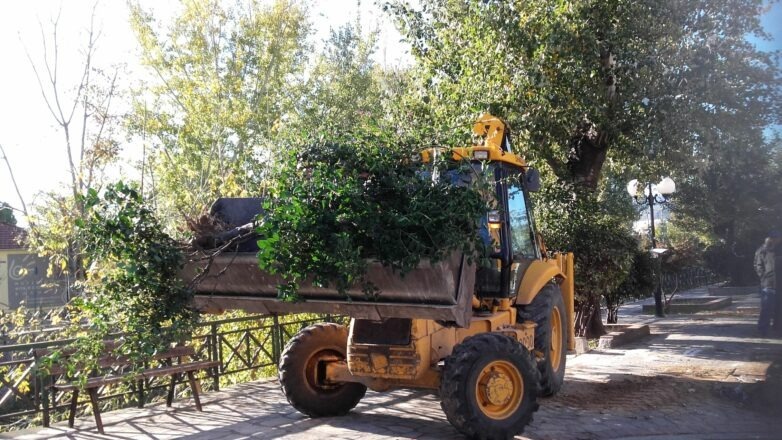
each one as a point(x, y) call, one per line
point(180, 351)
point(109, 360)
point(93, 382)
point(180, 368)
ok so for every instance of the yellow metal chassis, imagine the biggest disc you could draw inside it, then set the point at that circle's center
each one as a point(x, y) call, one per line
point(541, 272)
point(415, 365)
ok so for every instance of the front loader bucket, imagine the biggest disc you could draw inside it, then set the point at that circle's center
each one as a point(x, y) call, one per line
point(439, 291)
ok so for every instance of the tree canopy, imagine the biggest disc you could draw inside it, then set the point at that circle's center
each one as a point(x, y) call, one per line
point(226, 78)
point(586, 81)
point(596, 92)
point(7, 214)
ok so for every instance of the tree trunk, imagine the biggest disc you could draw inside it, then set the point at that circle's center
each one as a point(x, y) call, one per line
point(588, 320)
point(596, 328)
point(613, 315)
point(588, 148)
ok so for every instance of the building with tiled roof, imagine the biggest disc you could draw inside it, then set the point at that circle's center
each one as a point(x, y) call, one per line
point(11, 237)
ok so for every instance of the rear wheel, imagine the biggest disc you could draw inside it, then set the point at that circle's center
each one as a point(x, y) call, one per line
point(302, 368)
point(547, 310)
point(489, 387)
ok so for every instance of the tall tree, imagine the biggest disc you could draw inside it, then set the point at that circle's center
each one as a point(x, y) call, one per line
point(226, 79)
point(85, 116)
point(343, 88)
point(643, 87)
point(582, 81)
point(734, 201)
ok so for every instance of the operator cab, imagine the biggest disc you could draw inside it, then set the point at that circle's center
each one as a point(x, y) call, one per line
point(509, 234)
point(508, 230)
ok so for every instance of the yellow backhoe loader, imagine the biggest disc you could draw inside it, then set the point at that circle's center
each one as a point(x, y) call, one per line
point(491, 338)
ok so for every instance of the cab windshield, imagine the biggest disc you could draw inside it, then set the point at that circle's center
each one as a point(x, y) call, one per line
point(519, 245)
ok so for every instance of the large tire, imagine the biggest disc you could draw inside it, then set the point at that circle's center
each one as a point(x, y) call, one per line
point(299, 372)
point(488, 387)
point(548, 311)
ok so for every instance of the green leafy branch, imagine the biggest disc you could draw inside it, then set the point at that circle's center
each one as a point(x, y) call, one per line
point(133, 293)
point(336, 204)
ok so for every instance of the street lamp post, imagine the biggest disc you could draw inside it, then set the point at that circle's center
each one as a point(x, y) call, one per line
point(652, 195)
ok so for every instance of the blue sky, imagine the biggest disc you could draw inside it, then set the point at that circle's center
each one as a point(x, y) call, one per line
point(772, 22)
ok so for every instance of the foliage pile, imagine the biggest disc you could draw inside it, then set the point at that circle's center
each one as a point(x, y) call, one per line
point(333, 204)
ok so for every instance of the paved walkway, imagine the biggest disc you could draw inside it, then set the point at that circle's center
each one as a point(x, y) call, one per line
point(697, 377)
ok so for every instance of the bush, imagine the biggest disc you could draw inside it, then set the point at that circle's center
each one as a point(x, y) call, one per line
point(638, 284)
point(592, 225)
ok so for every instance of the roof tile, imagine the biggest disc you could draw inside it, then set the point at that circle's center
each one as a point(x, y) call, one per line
point(11, 237)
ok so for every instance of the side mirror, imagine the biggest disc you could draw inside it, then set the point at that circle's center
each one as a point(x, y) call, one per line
point(532, 180)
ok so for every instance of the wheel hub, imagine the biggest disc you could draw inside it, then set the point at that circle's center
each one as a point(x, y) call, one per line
point(499, 388)
point(315, 370)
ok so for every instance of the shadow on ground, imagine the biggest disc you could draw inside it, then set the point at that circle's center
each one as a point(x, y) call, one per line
point(701, 376)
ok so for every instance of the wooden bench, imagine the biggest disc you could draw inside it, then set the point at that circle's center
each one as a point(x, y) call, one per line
point(175, 362)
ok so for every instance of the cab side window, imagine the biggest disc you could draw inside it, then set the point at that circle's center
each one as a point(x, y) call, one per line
point(522, 235)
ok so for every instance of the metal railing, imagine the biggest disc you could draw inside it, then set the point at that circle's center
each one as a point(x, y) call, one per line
point(684, 279)
point(247, 348)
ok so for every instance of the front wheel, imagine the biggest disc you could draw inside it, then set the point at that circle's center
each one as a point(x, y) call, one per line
point(547, 310)
point(301, 371)
point(489, 387)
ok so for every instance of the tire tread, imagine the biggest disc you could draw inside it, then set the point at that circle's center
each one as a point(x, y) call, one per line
point(539, 311)
point(454, 401)
point(289, 364)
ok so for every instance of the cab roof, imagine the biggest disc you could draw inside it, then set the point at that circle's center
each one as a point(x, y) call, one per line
point(491, 134)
